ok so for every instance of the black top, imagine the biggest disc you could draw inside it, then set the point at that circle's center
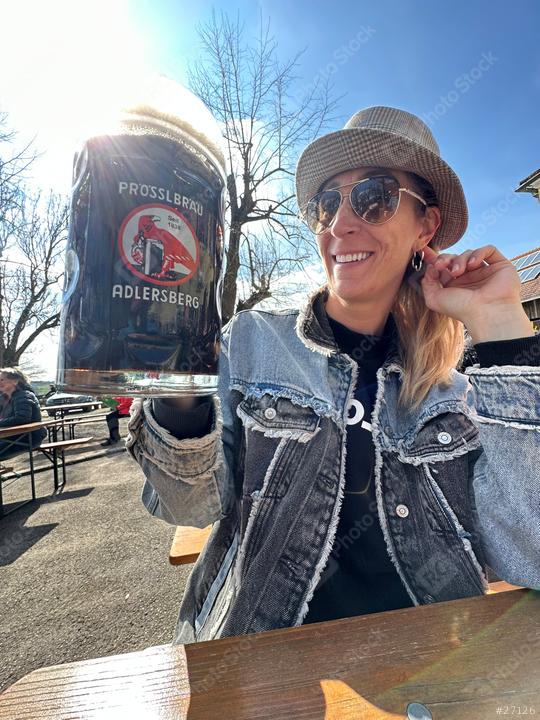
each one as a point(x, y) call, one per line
point(359, 577)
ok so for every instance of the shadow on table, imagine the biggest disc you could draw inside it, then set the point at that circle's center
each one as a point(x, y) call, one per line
point(16, 537)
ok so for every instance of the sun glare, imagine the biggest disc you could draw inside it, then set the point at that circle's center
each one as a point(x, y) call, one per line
point(71, 63)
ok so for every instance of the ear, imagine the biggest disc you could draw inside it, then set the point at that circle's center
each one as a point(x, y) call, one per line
point(430, 222)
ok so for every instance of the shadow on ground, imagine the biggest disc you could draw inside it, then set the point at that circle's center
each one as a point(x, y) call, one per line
point(85, 573)
point(16, 537)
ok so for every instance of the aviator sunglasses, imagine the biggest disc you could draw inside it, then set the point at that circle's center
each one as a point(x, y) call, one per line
point(374, 199)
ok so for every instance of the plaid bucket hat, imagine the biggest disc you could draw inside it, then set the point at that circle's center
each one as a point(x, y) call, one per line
point(390, 138)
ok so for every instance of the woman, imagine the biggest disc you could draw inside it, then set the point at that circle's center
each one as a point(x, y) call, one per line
point(18, 406)
point(347, 466)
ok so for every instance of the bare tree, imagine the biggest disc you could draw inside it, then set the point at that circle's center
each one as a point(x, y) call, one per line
point(29, 274)
point(32, 239)
point(14, 165)
point(266, 119)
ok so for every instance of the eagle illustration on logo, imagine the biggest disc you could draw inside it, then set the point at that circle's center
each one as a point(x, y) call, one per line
point(158, 244)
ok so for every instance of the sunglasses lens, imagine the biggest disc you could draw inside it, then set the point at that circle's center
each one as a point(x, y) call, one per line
point(376, 199)
point(322, 209)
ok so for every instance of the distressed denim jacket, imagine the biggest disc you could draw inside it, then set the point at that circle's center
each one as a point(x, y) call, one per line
point(457, 480)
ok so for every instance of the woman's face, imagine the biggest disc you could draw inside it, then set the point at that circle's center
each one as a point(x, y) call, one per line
point(392, 244)
point(7, 385)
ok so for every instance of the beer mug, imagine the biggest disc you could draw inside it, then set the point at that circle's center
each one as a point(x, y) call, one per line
point(141, 310)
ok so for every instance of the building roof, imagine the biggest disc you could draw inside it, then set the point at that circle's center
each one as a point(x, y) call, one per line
point(530, 289)
point(527, 252)
point(530, 183)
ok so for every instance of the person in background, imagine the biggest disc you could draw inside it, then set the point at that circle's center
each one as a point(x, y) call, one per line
point(50, 391)
point(119, 408)
point(18, 406)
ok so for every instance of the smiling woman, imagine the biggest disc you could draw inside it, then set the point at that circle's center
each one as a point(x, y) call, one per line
point(346, 465)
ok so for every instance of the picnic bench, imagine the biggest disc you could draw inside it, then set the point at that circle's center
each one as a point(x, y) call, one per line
point(72, 422)
point(66, 408)
point(53, 450)
point(474, 658)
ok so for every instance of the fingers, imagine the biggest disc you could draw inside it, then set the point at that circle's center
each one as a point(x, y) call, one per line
point(455, 264)
point(444, 268)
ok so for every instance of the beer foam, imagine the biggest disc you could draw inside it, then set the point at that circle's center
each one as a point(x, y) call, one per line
point(174, 109)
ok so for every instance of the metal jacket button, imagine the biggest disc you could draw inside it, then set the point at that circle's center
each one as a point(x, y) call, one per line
point(444, 438)
point(402, 511)
point(270, 413)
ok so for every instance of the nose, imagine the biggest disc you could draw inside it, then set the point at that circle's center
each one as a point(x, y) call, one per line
point(345, 220)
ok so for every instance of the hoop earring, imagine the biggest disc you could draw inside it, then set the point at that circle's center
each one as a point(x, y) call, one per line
point(417, 264)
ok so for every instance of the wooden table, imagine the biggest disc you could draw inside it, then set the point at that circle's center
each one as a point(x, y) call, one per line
point(461, 659)
point(187, 544)
point(6, 432)
point(63, 409)
point(24, 443)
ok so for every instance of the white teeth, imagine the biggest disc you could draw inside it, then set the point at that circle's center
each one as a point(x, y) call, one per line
point(352, 258)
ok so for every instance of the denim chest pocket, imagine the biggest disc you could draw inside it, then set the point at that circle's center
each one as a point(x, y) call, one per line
point(445, 446)
point(442, 438)
point(278, 417)
point(276, 444)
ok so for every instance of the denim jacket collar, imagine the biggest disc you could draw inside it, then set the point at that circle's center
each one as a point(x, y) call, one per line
point(398, 425)
point(314, 330)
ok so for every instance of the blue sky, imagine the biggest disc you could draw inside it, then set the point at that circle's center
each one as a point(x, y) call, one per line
point(471, 69)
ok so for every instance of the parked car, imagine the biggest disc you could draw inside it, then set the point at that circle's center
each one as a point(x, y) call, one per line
point(60, 398)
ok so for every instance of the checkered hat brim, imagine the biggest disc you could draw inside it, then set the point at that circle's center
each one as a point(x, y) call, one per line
point(394, 139)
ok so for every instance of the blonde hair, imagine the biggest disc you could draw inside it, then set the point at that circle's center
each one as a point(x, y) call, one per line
point(430, 344)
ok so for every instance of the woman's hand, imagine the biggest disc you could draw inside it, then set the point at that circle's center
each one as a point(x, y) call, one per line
point(481, 288)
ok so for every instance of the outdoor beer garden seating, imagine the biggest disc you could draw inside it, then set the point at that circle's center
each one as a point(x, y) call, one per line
point(53, 450)
point(74, 422)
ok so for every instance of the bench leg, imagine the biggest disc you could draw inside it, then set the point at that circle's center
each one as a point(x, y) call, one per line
point(31, 460)
point(13, 509)
point(54, 459)
point(63, 468)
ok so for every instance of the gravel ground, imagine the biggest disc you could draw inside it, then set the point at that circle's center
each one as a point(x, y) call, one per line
point(85, 573)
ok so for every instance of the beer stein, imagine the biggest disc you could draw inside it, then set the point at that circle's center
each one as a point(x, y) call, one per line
point(141, 310)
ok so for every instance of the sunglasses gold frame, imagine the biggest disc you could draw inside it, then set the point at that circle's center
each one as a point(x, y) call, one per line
point(354, 185)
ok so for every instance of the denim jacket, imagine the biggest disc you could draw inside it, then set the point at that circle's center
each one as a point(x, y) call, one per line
point(457, 480)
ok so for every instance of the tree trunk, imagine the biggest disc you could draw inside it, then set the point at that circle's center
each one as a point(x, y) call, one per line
point(228, 303)
point(10, 358)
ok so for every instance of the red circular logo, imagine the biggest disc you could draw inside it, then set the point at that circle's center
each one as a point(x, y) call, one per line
point(158, 244)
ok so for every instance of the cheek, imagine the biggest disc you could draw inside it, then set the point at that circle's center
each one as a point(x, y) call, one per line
point(322, 247)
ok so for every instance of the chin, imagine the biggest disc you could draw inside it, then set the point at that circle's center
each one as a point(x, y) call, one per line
point(348, 295)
